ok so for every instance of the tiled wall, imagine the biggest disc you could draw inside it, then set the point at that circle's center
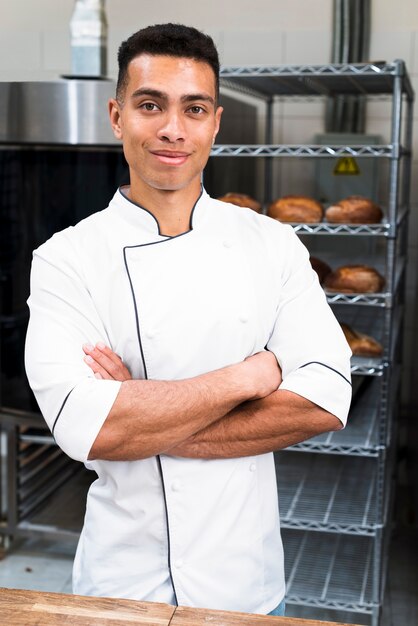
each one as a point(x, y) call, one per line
point(35, 45)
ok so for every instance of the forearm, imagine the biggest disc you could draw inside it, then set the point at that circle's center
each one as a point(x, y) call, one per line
point(259, 426)
point(150, 417)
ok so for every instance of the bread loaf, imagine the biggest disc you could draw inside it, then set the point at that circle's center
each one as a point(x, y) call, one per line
point(320, 267)
point(355, 279)
point(296, 209)
point(241, 199)
point(354, 210)
point(361, 344)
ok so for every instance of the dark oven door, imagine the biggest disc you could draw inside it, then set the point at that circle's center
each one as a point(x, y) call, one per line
point(42, 191)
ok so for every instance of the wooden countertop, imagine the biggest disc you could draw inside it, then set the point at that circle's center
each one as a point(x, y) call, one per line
point(20, 607)
point(185, 616)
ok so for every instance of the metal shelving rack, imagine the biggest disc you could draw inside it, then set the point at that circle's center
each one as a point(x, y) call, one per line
point(335, 489)
point(40, 483)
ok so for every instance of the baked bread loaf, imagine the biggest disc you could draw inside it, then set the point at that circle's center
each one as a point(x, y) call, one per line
point(296, 209)
point(241, 199)
point(320, 267)
point(361, 344)
point(354, 210)
point(355, 279)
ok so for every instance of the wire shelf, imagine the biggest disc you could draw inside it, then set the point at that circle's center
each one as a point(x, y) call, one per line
point(359, 318)
point(326, 228)
point(327, 493)
point(385, 229)
point(380, 299)
point(364, 299)
point(268, 81)
point(363, 366)
point(298, 71)
point(281, 150)
point(329, 571)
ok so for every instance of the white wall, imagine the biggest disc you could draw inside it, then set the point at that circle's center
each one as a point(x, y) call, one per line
point(34, 34)
point(35, 45)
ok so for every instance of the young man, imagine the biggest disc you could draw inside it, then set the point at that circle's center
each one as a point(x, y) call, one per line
point(201, 301)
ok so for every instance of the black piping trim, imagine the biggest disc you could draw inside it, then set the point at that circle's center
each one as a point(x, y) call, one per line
point(329, 367)
point(138, 332)
point(160, 468)
point(139, 207)
point(194, 206)
point(157, 222)
point(154, 243)
point(60, 411)
point(143, 245)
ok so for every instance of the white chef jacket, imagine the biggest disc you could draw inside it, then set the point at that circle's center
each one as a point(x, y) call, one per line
point(173, 308)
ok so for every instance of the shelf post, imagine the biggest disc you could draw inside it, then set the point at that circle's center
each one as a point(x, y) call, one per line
point(268, 178)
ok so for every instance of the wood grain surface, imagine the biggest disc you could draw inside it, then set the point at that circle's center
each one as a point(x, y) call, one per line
point(185, 616)
point(21, 607)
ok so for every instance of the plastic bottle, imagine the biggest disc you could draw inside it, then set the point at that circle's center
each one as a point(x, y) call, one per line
point(88, 29)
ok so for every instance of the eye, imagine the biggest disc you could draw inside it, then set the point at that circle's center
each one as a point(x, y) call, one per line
point(149, 106)
point(196, 110)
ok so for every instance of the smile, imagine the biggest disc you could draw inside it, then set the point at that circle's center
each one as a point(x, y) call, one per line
point(171, 158)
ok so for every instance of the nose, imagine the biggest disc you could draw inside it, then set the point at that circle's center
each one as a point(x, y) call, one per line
point(172, 128)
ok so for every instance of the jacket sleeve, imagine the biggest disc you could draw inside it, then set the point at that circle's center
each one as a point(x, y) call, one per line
point(307, 339)
point(63, 317)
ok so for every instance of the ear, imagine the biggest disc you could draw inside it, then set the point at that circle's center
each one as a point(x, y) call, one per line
point(115, 118)
point(218, 115)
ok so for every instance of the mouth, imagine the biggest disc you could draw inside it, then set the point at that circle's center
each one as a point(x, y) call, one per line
point(170, 157)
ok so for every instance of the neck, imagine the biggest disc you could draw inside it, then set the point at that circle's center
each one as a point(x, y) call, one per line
point(171, 209)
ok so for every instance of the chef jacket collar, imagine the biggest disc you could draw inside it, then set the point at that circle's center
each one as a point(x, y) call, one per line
point(138, 216)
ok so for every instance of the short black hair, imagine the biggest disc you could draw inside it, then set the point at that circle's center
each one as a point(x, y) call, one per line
point(168, 39)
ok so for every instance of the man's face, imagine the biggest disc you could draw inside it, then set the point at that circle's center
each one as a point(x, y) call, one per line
point(167, 121)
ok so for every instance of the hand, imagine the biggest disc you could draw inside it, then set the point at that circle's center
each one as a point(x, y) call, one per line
point(265, 373)
point(105, 364)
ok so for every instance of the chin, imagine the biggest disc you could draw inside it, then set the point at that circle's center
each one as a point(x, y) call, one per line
point(173, 185)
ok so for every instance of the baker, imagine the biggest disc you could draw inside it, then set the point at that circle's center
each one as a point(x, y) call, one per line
point(208, 343)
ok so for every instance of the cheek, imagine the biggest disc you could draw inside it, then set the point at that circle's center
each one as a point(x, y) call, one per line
point(135, 130)
point(133, 143)
point(204, 139)
point(132, 151)
point(206, 147)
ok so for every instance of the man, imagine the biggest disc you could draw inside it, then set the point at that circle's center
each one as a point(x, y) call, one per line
point(184, 305)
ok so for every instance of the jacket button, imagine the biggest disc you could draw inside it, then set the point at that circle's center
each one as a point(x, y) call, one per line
point(227, 243)
point(150, 334)
point(253, 467)
point(179, 564)
point(243, 319)
point(176, 485)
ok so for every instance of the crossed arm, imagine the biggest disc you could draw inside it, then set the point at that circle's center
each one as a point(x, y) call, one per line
point(232, 412)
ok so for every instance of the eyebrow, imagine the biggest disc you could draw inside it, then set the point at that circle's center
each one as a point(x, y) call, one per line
point(155, 93)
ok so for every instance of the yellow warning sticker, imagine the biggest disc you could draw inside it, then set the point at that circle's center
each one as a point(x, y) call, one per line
point(346, 166)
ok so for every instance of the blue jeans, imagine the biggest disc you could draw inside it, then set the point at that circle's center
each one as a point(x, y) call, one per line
point(279, 610)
